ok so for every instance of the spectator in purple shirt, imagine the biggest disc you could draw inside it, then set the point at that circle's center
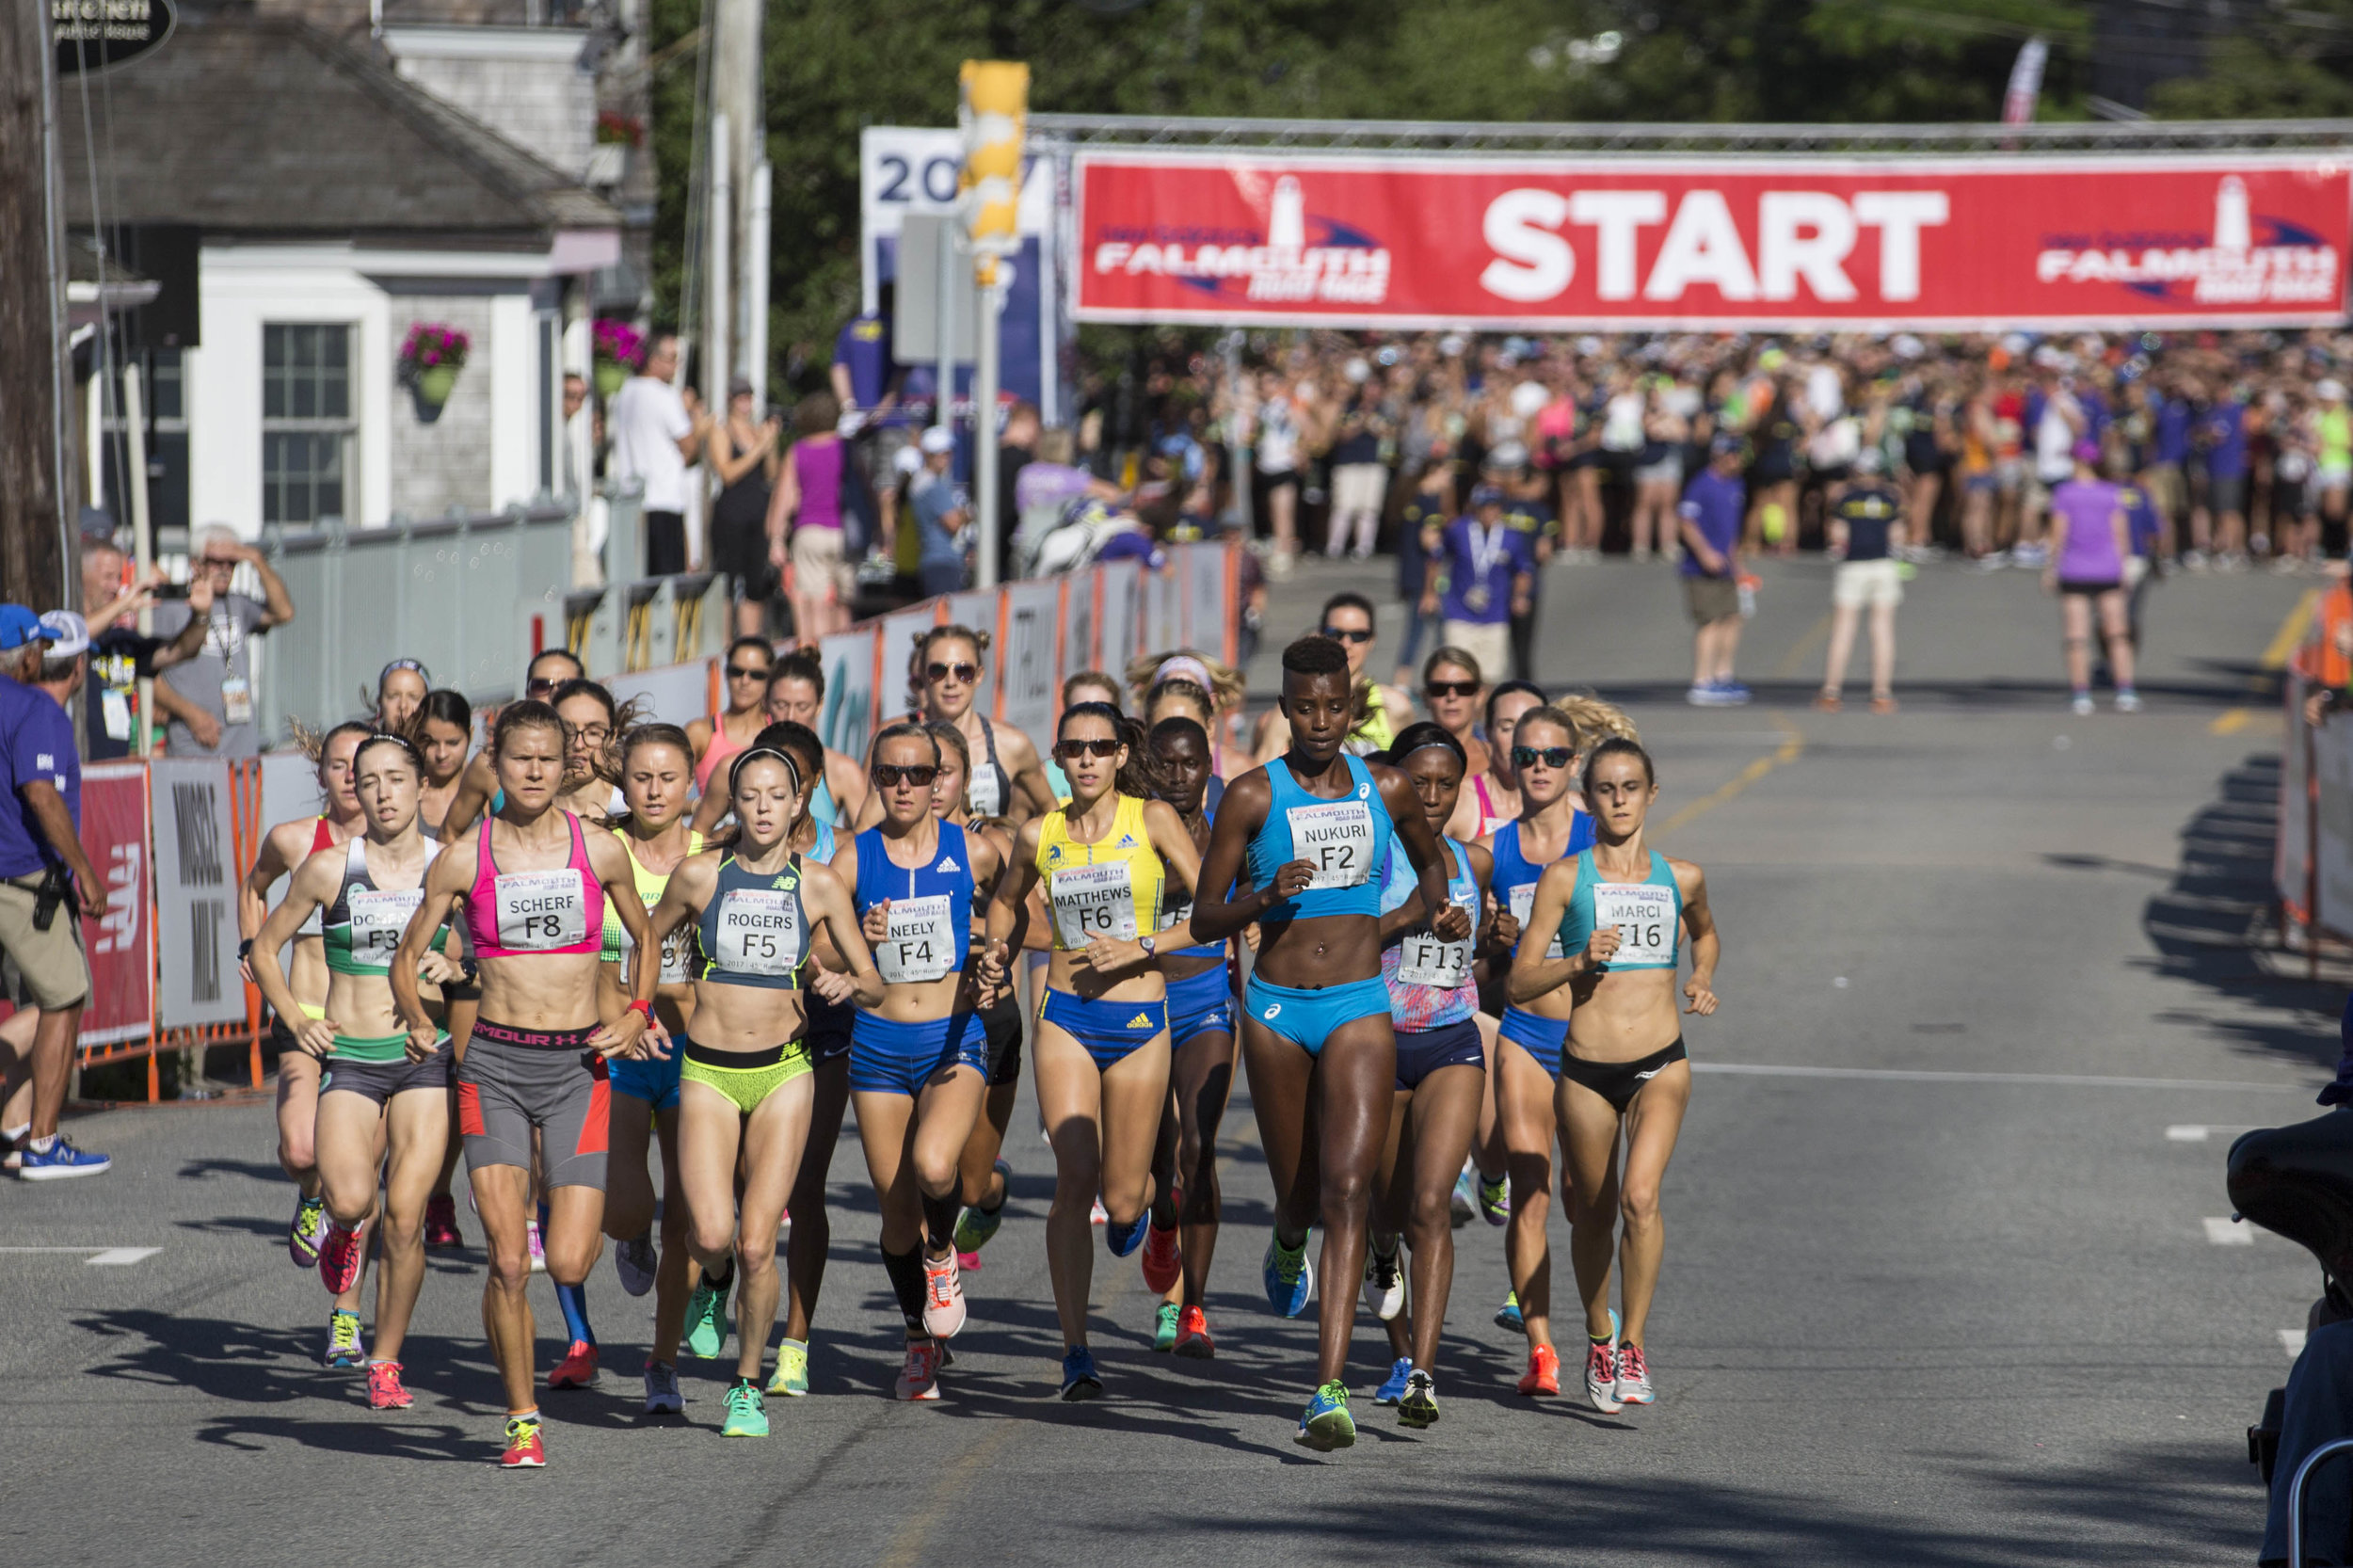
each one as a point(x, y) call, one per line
point(1490, 570)
point(1713, 505)
point(2091, 541)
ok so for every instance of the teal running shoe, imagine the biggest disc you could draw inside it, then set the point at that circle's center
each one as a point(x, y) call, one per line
point(975, 1226)
point(1394, 1390)
point(1164, 1327)
point(1326, 1424)
point(707, 1317)
point(1290, 1279)
point(1508, 1315)
point(747, 1413)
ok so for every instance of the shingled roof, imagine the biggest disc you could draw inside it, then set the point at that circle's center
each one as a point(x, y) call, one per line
point(265, 127)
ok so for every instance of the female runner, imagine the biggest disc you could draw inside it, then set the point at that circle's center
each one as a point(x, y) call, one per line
point(443, 732)
point(1545, 752)
point(745, 1072)
point(796, 694)
point(285, 848)
point(400, 690)
point(377, 1109)
point(1102, 1035)
point(1313, 828)
point(918, 1061)
point(533, 886)
point(1452, 685)
point(1620, 909)
point(749, 664)
point(1008, 779)
point(657, 764)
point(478, 786)
point(1202, 1048)
point(1441, 1075)
point(1221, 690)
point(1494, 795)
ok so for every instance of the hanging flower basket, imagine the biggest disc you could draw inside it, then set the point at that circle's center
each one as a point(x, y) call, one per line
point(429, 363)
point(619, 348)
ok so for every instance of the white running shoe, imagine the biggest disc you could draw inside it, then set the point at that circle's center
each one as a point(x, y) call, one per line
point(1601, 1372)
point(943, 1298)
point(1385, 1285)
point(2128, 702)
point(1634, 1377)
point(919, 1378)
point(2082, 705)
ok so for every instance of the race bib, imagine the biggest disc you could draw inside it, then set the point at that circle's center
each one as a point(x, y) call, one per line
point(760, 932)
point(677, 952)
point(1644, 914)
point(1337, 838)
point(115, 705)
point(1424, 958)
point(1524, 901)
point(378, 918)
point(539, 911)
point(921, 946)
point(1091, 903)
point(981, 793)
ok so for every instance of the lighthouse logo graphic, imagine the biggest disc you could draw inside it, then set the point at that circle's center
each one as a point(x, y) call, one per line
point(2249, 259)
point(1299, 257)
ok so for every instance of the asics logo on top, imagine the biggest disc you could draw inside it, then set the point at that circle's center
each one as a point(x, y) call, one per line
point(1363, 790)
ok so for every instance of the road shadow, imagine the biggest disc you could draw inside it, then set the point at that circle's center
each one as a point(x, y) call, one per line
point(2207, 923)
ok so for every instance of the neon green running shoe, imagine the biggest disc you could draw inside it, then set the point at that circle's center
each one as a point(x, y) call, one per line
point(707, 1317)
point(1164, 1327)
point(747, 1413)
point(791, 1375)
point(1326, 1423)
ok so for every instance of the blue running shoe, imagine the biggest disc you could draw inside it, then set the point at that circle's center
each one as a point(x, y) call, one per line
point(1290, 1279)
point(1394, 1390)
point(1508, 1315)
point(58, 1161)
point(1124, 1240)
point(1079, 1381)
point(1326, 1424)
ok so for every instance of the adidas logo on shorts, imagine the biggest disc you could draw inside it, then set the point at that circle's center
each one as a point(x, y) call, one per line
point(1142, 1020)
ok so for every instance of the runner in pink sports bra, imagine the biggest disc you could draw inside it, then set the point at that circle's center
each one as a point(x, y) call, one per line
point(1493, 813)
point(536, 909)
point(746, 666)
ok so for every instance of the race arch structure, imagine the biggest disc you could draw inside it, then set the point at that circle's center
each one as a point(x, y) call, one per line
point(1361, 224)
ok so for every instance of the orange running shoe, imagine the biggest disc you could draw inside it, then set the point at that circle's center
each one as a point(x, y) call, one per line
point(384, 1387)
point(578, 1368)
point(1163, 1262)
point(1192, 1334)
point(1543, 1372)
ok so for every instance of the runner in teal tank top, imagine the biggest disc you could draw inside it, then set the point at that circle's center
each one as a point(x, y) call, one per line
point(1626, 914)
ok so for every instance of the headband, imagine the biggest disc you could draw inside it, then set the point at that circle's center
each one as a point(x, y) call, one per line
point(735, 769)
point(1184, 667)
point(403, 665)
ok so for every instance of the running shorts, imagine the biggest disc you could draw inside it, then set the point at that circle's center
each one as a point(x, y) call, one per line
point(1618, 1081)
point(380, 1080)
point(1541, 1038)
point(514, 1080)
point(1309, 1017)
point(654, 1079)
point(1002, 1019)
point(892, 1058)
point(1111, 1030)
point(747, 1078)
point(1200, 1004)
point(1421, 1052)
point(828, 1028)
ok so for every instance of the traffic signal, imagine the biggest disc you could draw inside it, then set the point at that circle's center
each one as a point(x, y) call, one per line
point(992, 113)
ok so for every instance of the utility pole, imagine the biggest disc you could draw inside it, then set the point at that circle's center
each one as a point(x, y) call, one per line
point(38, 487)
point(738, 135)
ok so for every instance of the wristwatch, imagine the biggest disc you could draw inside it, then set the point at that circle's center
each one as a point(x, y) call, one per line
point(1146, 942)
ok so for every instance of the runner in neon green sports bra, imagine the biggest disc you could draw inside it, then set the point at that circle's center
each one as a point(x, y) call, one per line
point(1623, 911)
point(657, 765)
point(372, 1097)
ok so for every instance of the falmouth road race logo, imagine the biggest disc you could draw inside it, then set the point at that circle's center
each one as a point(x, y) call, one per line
point(1282, 264)
point(2248, 259)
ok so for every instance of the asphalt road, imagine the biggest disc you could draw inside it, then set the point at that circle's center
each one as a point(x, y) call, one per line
point(1943, 1285)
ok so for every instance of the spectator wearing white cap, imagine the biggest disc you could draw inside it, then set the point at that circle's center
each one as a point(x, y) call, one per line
point(42, 867)
point(943, 518)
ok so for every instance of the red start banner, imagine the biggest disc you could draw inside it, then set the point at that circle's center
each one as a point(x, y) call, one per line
point(1763, 243)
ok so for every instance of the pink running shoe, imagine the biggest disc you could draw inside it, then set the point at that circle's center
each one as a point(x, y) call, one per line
point(919, 1378)
point(341, 1253)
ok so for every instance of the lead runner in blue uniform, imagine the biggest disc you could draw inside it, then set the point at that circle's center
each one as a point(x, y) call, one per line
point(1312, 830)
point(1622, 910)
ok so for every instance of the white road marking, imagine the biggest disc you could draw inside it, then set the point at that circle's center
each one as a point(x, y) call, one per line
point(2229, 1233)
point(2191, 1134)
point(2080, 1080)
point(2292, 1340)
point(117, 1257)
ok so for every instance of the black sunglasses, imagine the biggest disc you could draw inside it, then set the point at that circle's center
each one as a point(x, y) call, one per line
point(965, 673)
point(538, 688)
point(1087, 748)
point(889, 776)
point(1552, 757)
point(737, 672)
point(1338, 635)
point(1450, 688)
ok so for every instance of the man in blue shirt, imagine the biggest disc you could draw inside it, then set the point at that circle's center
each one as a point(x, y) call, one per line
point(942, 517)
point(1490, 572)
point(1713, 505)
point(2223, 434)
point(40, 848)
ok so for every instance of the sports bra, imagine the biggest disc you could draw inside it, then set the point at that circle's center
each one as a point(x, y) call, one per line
point(1430, 979)
point(513, 914)
point(822, 804)
point(990, 789)
point(1515, 876)
point(723, 746)
point(1489, 818)
point(1347, 839)
point(363, 925)
point(930, 906)
point(1648, 915)
point(1376, 733)
point(322, 837)
point(1110, 887)
point(755, 929)
point(616, 940)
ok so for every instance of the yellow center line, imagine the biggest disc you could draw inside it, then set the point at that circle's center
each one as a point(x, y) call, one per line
point(906, 1548)
point(1802, 650)
point(1792, 745)
point(2285, 643)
